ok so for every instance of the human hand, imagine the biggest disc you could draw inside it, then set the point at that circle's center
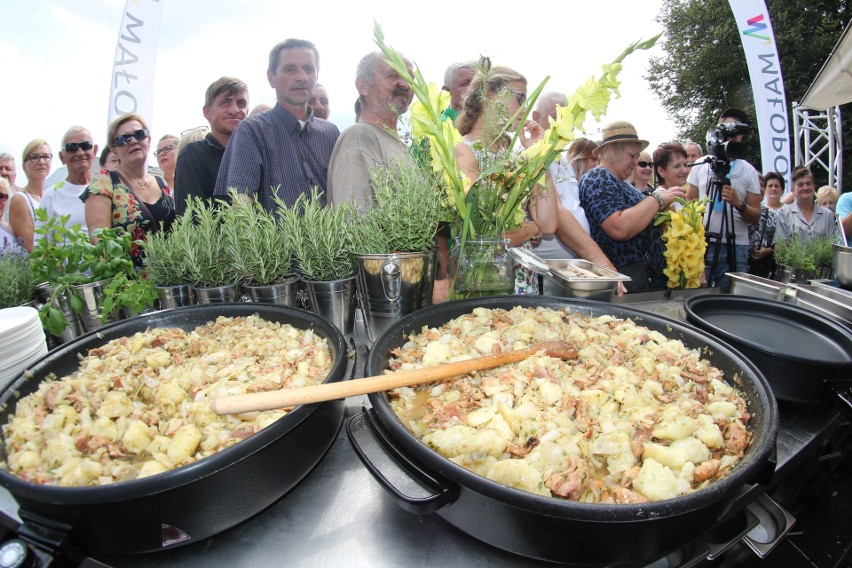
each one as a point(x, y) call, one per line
point(531, 132)
point(669, 194)
point(729, 194)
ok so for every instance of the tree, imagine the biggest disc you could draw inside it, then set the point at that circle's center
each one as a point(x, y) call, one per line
point(704, 70)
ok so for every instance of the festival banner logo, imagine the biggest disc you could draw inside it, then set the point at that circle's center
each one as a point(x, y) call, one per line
point(767, 84)
point(132, 85)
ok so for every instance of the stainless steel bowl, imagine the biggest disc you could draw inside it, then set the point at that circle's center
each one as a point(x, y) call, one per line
point(843, 265)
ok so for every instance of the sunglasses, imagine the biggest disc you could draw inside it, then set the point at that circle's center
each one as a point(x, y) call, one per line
point(165, 150)
point(4, 196)
point(196, 129)
point(645, 164)
point(124, 139)
point(72, 147)
point(39, 157)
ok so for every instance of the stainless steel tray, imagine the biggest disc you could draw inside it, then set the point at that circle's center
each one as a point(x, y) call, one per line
point(745, 284)
point(824, 302)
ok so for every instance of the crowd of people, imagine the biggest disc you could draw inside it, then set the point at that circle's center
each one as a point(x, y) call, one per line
point(599, 200)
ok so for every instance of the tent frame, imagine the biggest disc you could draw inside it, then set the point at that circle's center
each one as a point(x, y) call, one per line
point(818, 139)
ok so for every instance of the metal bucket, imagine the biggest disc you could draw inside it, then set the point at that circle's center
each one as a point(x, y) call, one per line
point(92, 295)
point(791, 275)
point(175, 296)
point(283, 293)
point(334, 300)
point(217, 294)
point(73, 326)
point(391, 286)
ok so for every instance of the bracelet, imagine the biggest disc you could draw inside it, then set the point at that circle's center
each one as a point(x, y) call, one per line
point(659, 199)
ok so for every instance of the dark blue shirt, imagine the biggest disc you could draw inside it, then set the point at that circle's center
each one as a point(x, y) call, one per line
point(601, 195)
point(271, 151)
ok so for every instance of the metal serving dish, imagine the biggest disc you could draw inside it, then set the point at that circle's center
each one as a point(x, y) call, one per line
point(843, 265)
point(824, 302)
point(558, 283)
point(745, 284)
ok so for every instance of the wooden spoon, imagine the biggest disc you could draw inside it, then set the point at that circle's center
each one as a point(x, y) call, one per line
point(286, 398)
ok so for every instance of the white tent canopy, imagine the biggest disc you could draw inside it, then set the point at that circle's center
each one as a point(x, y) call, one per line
point(833, 83)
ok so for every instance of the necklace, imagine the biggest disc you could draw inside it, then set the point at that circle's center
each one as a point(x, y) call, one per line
point(138, 182)
point(35, 196)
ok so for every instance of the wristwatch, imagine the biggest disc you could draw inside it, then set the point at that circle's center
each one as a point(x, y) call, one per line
point(742, 206)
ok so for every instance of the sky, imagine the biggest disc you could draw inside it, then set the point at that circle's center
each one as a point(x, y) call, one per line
point(57, 57)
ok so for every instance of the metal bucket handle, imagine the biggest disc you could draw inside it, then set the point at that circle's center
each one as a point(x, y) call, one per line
point(391, 280)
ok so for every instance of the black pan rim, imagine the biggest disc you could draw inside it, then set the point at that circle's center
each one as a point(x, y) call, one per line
point(694, 305)
point(172, 479)
point(746, 470)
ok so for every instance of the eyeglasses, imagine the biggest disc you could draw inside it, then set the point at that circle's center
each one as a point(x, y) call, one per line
point(165, 150)
point(72, 147)
point(519, 96)
point(124, 139)
point(39, 158)
point(645, 164)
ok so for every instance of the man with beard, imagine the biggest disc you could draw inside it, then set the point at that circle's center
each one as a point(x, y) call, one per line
point(225, 106)
point(284, 151)
point(77, 152)
point(373, 142)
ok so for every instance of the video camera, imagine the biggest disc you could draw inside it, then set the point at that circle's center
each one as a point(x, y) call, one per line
point(720, 145)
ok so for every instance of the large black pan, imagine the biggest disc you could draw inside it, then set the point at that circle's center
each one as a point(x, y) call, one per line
point(547, 528)
point(795, 348)
point(195, 501)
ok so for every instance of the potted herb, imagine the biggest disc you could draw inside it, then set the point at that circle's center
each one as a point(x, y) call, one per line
point(212, 268)
point(17, 285)
point(395, 245)
point(262, 249)
point(166, 260)
point(795, 260)
point(322, 240)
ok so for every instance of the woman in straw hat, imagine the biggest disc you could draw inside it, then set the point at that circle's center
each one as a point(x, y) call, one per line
point(621, 218)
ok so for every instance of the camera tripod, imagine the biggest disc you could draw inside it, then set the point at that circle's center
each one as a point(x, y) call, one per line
point(726, 227)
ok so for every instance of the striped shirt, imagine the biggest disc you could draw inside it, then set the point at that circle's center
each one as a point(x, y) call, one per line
point(273, 151)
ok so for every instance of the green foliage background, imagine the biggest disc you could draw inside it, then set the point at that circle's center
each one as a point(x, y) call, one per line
point(704, 69)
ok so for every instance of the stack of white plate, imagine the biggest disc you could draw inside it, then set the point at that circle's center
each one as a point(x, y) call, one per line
point(22, 341)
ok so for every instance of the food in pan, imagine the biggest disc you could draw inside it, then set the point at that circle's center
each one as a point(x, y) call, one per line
point(576, 272)
point(140, 405)
point(636, 417)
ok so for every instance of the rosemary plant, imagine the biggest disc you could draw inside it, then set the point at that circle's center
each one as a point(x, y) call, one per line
point(166, 255)
point(17, 284)
point(322, 236)
point(208, 255)
point(794, 252)
point(405, 213)
point(260, 247)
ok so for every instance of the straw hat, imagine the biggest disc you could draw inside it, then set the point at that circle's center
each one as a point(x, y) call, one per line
point(620, 131)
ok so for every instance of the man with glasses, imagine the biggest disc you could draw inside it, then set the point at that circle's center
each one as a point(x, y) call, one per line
point(77, 152)
point(373, 142)
point(285, 150)
point(225, 106)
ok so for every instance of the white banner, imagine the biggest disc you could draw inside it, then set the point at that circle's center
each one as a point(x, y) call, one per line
point(767, 84)
point(132, 85)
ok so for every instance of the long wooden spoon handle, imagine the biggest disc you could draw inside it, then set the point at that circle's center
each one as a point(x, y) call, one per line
point(286, 398)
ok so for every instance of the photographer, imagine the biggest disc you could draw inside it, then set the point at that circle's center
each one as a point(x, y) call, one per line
point(739, 205)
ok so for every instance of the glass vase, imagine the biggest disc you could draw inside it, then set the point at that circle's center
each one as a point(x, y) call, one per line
point(481, 268)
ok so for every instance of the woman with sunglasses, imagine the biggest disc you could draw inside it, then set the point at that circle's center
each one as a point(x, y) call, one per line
point(493, 97)
point(643, 173)
point(166, 155)
point(129, 197)
point(36, 160)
